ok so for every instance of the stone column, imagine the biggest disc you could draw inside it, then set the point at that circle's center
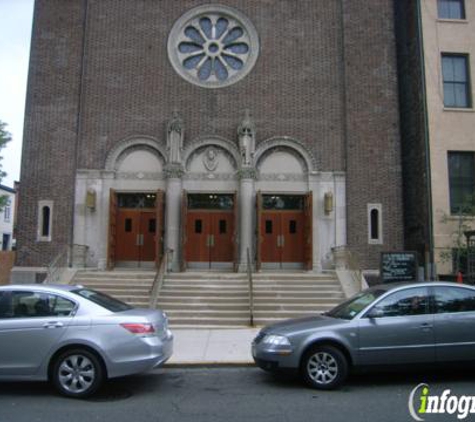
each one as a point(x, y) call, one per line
point(246, 216)
point(173, 202)
point(314, 184)
point(340, 208)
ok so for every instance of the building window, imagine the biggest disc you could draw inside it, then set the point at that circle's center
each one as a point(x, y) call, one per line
point(451, 9)
point(45, 220)
point(213, 46)
point(7, 212)
point(375, 234)
point(455, 73)
point(461, 182)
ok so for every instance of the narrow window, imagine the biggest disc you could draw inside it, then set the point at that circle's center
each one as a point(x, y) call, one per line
point(268, 226)
point(461, 182)
point(455, 73)
point(198, 226)
point(128, 225)
point(292, 226)
point(152, 225)
point(222, 226)
point(375, 222)
point(45, 221)
point(451, 9)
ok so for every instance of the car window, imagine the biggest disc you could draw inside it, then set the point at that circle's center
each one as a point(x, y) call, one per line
point(29, 304)
point(5, 305)
point(405, 302)
point(353, 306)
point(101, 299)
point(454, 300)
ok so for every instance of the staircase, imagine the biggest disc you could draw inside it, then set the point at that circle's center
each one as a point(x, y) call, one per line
point(132, 287)
point(222, 299)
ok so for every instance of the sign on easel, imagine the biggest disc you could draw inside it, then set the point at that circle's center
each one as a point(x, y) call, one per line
point(398, 267)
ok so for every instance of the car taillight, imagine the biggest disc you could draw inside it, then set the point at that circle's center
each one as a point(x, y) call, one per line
point(139, 328)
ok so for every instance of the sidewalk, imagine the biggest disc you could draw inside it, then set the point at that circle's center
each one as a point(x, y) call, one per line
point(212, 346)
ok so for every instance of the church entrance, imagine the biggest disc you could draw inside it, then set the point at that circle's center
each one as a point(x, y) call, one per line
point(209, 231)
point(285, 231)
point(138, 229)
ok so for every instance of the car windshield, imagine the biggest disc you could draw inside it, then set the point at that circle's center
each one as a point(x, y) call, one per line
point(101, 299)
point(354, 305)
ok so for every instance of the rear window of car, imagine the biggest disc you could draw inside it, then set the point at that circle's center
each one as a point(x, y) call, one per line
point(101, 299)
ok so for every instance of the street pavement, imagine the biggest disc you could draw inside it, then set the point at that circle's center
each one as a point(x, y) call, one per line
point(229, 394)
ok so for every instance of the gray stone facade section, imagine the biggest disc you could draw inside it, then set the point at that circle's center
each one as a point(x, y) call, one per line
point(326, 75)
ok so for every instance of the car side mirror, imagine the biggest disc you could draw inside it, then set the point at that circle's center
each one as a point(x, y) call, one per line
point(375, 313)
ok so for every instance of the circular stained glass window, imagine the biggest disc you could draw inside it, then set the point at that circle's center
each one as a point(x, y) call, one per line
point(213, 46)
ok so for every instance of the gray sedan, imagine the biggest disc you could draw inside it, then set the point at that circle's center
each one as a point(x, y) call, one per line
point(423, 323)
point(76, 337)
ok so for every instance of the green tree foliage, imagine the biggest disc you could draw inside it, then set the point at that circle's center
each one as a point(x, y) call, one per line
point(5, 137)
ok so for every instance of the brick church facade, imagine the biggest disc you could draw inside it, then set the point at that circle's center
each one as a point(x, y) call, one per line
point(211, 129)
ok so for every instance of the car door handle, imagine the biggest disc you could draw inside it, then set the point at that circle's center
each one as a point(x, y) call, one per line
point(426, 326)
point(55, 324)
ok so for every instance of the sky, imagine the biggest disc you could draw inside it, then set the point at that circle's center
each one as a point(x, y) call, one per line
point(15, 33)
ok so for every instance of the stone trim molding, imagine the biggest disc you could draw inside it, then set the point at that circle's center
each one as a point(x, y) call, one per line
point(116, 154)
point(286, 142)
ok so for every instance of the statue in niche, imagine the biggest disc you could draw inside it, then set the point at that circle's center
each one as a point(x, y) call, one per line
point(210, 159)
point(247, 138)
point(175, 136)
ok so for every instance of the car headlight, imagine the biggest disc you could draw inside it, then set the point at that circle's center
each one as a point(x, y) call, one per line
point(276, 340)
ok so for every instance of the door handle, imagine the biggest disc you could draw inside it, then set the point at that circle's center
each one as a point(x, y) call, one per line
point(137, 242)
point(53, 324)
point(278, 240)
point(212, 240)
point(282, 241)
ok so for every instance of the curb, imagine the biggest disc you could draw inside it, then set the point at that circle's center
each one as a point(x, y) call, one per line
point(210, 364)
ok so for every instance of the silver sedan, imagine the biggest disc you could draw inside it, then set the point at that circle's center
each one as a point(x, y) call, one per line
point(76, 337)
point(389, 325)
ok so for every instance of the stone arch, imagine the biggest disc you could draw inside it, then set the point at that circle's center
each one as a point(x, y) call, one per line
point(216, 141)
point(293, 146)
point(123, 148)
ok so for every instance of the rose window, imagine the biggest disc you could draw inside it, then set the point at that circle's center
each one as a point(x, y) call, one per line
point(213, 46)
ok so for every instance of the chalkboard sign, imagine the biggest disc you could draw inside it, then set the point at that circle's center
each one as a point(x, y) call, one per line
point(398, 266)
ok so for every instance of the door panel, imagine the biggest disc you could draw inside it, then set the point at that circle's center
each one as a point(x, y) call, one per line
point(198, 232)
point(270, 237)
point(222, 230)
point(128, 229)
point(148, 231)
point(292, 240)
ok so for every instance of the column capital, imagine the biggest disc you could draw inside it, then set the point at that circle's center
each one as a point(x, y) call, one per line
point(174, 171)
point(247, 173)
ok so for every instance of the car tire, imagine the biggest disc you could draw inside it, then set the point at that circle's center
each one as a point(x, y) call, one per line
point(77, 373)
point(324, 367)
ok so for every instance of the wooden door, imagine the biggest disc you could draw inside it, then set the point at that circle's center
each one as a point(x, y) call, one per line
point(221, 226)
point(112, 229)
point(128, 235)
point(270, 237)
point(198, 236)
point(292, 236)
point(147, 236)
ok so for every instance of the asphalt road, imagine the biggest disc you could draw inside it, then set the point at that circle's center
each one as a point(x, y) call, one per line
point(230, 394)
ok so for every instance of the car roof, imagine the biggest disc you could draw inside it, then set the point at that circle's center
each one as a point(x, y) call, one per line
point(40, 287)
point(395, 286)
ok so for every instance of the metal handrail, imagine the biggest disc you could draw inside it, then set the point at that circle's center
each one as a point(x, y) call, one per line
point(353, 266)
point(251, 289)
point(55, 266)
point(159, 278)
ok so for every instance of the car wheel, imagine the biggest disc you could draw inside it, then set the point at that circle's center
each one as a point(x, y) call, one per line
point(324, 367)
point(77, 373)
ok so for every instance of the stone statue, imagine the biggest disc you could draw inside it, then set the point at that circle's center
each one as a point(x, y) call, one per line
point(247, 139)
point(175, 136)
point(210, 159)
